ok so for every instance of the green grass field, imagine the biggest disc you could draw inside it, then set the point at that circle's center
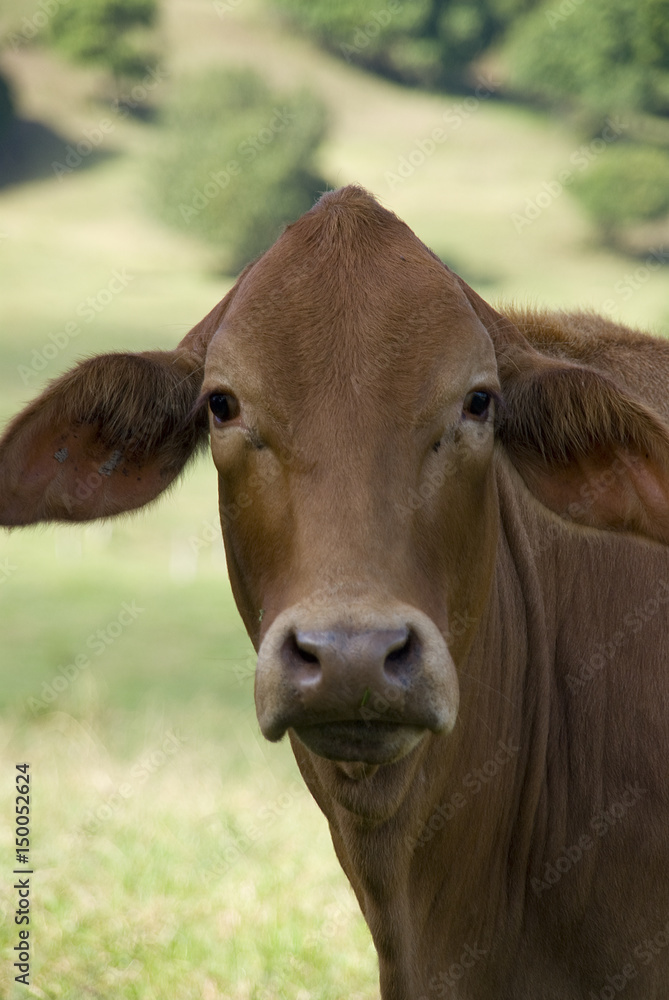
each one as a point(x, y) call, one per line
point(176, 854)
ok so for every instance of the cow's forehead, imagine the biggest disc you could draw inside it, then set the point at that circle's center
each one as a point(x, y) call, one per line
point(349, 299)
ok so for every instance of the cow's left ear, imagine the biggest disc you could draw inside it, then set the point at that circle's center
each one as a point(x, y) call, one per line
point(107, 437)
point(585, 448)
point(584, 443)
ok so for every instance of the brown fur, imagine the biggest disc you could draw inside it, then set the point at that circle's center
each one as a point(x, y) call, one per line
point(521, 851)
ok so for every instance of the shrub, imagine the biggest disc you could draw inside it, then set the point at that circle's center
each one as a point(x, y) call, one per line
point(235, 162)
point(425, 42)
point(108, 32)
point(606, 55)
point(627, 184)
point(6, 106)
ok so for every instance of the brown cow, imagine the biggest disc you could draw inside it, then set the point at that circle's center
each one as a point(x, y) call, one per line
point(449, 547)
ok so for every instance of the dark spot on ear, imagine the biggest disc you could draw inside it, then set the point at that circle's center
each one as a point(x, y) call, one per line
point(112, 462)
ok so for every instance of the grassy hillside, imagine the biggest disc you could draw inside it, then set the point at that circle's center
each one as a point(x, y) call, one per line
point(184, 887)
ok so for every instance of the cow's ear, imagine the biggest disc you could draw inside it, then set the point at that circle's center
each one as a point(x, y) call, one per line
point(584, 443)
point(584, 447)
point(107, 437)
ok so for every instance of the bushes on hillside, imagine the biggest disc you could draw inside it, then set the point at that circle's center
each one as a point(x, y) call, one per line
point(425, 42)
point(236, 162)
point(109, 32)
point(627, 184)
point(604, 55)
point(6, 106)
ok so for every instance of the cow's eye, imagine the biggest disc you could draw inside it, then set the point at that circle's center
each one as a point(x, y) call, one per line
point(477, 404)
point(224, 406)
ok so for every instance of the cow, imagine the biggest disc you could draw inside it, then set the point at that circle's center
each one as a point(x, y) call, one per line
point(446, 532)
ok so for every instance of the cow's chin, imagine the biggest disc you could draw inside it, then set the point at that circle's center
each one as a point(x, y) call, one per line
point(365, 743)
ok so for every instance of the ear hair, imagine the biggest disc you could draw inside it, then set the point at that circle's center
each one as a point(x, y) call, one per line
point(561, 411)
point(108, 436)
point(140, 403)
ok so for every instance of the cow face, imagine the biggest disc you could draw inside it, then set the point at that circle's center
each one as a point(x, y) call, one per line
point(351, 392)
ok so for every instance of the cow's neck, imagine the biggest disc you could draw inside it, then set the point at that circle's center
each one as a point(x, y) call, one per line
point(440, 877)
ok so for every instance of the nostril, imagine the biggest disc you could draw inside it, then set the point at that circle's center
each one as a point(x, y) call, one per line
point(399, 662)
point(301, 653)
point(401, 652)
point(301, 659)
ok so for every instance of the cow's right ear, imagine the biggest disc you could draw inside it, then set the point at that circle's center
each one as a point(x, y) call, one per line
point(110, 435)
point(107, 437)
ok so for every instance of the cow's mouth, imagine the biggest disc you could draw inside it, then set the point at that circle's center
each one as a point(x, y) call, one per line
point(364, 742)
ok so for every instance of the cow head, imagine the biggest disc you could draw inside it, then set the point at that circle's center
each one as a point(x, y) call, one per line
point(353, 437)
point(349, 382)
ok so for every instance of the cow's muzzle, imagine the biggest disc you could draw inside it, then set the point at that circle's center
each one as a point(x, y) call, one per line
point(366, 687)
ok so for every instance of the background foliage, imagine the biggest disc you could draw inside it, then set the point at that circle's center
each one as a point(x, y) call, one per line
point(609, 56)
point(592, 59)
point(235, 162)
point(426, 42)
point(108, 32)
point(627, 185)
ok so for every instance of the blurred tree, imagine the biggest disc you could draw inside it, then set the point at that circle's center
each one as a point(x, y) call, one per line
point(109, 32)
point(425, 42)
point(6, 106)
point(598, 58)
point(627, 184)
point(235, 163)
point(606, 55)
